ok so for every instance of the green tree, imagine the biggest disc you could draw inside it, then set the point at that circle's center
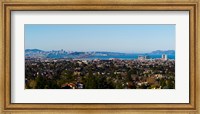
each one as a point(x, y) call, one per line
point(90, 81)
point(41, 82)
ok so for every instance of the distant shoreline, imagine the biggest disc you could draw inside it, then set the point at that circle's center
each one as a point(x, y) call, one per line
point(170, 57)
point(36, 53)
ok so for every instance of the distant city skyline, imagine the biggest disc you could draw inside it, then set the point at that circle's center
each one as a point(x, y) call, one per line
point(103, 37)
point(94, 51)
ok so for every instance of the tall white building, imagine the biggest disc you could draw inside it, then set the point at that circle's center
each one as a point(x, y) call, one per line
point(164, 56)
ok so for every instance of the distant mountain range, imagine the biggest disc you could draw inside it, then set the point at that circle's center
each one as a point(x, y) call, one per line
point(37, 53)
point(168, 52)
point(33, 50)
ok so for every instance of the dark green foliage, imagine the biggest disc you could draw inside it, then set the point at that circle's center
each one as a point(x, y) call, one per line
point(91, 81)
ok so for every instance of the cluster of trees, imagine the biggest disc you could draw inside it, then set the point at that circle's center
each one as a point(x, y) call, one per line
point(42, 83)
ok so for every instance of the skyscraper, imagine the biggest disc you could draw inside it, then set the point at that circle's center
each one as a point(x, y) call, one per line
point(164, 56)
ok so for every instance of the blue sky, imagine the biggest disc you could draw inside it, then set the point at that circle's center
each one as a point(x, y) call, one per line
point(128, 38)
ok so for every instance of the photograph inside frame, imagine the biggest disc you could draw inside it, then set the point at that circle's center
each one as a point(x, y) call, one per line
point(99, 56)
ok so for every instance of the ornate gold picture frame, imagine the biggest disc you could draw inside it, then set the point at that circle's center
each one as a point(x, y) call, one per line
point(114, 5)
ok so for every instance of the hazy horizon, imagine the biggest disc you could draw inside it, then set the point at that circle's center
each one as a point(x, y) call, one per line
point(105, 38)
point(101, 51)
